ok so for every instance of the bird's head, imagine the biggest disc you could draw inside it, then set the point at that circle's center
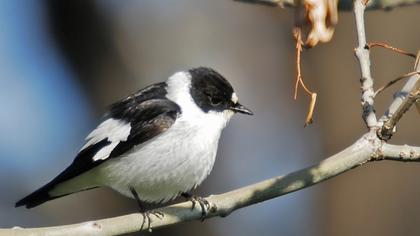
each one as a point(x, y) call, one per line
point(212, 92)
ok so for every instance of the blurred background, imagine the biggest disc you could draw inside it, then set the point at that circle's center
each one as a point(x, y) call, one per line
point(63, 62)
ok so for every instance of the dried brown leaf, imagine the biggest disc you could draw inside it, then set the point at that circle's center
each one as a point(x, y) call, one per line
point(317, 19)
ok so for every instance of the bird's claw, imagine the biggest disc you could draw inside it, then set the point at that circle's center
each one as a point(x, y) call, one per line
point(146, 217)
point(204, 205)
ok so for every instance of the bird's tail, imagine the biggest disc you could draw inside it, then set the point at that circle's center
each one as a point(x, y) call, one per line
point(58, 187)
point(38, 197)
point(74, 178)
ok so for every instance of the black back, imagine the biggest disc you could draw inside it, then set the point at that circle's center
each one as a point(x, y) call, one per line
point(128, 107)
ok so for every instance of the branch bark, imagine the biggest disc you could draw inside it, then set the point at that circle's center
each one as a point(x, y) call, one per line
point(362, 54)
point(403, 153)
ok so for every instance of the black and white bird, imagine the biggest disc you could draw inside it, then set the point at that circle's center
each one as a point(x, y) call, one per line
point(153, 145)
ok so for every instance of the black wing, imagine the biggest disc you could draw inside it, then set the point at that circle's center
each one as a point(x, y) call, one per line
point(148, 113)
point(126, 109)
point(151, 118)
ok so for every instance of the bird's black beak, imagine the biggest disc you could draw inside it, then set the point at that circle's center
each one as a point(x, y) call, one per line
point(237, 107)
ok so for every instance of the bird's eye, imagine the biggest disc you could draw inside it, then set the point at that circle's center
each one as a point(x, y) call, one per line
point(215, 101)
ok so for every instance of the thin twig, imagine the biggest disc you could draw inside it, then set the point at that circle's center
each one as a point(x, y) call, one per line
point(362, 54)
point(416, 65)
point(311, 109)
point(390, 83)
point(387, 46)
point(299, 43)
point(297, 33)
point(397, 50)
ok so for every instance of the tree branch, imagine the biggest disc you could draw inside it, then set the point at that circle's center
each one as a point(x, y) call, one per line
point(403, 100)
point(403, 153)
point(389, 125)
point(362, 54)
point(343, 5)
point(368, 148)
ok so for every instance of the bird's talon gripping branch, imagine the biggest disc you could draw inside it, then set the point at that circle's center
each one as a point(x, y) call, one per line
point(145, 214)
point(204, 204)
point(146, 217)
point(158, 214)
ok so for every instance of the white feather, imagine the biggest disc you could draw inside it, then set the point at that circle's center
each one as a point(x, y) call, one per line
point(111, 129)
point(105, 151)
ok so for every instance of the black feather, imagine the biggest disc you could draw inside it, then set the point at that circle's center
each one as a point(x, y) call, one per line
point(127, 108)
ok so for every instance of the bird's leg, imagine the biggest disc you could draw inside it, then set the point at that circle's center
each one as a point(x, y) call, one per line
point(204, 204)
point(146, 214)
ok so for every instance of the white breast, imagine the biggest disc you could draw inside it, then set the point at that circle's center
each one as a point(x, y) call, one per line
point(175, 161)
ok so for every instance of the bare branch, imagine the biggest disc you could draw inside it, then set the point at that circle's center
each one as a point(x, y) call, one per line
point(392, 82)
point(343, 5)
point(403, 153)
point(403, 100)
point(394, 49)
point(389, 125)
point(362, 54)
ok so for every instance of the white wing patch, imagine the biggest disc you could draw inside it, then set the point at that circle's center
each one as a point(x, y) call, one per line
point(112, 129)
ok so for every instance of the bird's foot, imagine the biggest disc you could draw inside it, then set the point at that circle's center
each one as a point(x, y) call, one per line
point(146, 217)
point(146, 214)
point(204, 204)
